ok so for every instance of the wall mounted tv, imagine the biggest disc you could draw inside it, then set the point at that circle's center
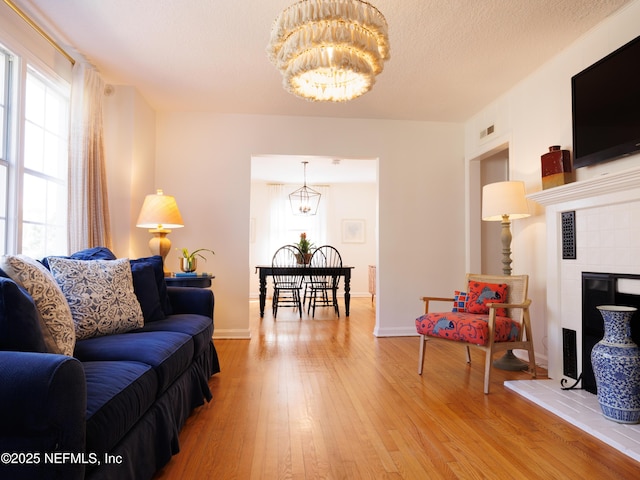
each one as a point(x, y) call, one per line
point(606, 107)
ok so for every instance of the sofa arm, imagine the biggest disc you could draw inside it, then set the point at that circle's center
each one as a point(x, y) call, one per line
point(43, 403)
point(191, 300)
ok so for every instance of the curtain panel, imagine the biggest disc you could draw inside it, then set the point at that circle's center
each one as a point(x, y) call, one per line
point(89, 224)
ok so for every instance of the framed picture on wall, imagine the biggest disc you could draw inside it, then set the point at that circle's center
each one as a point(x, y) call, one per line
point(353, 231)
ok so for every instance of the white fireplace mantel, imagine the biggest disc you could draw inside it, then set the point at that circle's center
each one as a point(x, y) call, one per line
point(612, 190)
point(591, 190)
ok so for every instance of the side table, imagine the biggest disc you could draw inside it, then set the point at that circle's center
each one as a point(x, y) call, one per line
point(198, 281)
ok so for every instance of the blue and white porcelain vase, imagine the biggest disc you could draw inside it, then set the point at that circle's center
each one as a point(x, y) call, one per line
point(616, 366)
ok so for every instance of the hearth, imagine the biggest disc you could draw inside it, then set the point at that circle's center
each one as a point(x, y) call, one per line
point(604, 289)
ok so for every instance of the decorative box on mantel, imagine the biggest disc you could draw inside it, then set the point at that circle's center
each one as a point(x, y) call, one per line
point(556, 167)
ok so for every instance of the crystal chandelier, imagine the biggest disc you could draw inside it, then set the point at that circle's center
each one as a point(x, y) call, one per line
point(329, 50)
point(304, 200)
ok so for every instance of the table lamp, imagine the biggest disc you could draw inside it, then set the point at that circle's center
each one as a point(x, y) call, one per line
point(159, 214)
point(504, 201)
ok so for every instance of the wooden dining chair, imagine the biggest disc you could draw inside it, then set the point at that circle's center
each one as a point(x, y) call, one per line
point(323, 287)
point(491, 313)
point(286, 287)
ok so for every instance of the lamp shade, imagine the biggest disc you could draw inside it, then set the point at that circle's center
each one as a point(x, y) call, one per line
point(504, 198)
point(159, 211)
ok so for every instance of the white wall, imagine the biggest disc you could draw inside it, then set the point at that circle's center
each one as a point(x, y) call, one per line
point(204, 159)
point(529, 118)
point(130, 142)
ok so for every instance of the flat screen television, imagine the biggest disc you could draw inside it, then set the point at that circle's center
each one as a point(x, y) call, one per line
point(606, 107)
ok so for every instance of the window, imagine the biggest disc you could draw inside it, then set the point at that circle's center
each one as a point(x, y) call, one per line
point(4, 165)
point(34, 159)
point(285, 227)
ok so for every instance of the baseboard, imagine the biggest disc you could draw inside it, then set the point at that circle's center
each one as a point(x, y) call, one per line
point(232, 334)
point(395, 332)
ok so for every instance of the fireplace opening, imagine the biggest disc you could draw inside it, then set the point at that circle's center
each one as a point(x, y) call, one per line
point(604, 289)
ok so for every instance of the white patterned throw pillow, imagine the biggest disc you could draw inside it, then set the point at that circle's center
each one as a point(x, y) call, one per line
point(55, 317)
point(100, 295)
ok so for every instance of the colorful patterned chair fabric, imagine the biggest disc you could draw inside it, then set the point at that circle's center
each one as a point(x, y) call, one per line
point(501, 320)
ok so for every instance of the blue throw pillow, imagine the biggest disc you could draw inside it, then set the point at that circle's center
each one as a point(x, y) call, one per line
point(161, 285)
point(95, 253)
point(19, 320)
point(146, 289)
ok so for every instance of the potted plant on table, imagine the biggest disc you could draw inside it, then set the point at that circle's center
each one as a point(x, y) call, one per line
point(189, 260)
point(305, 247)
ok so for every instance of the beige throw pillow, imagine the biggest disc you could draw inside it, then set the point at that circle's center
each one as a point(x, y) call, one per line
point(55, 317)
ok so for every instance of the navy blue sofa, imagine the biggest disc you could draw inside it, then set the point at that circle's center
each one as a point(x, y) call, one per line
point(112, 411)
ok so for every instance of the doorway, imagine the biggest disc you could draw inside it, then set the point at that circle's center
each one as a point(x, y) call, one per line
point(349, 188)
point(494, 168)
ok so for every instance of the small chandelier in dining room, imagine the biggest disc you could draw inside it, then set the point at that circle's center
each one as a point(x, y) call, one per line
point(329, 50)
point(304, 200)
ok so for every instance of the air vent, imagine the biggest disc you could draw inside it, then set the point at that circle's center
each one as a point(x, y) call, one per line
point(487, 131)
point(568, 235)
point(569, 354)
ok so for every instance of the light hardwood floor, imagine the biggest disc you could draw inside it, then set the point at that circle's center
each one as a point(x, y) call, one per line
point(324, 399)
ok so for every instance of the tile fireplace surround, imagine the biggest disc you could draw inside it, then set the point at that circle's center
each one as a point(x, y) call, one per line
point(607, 236)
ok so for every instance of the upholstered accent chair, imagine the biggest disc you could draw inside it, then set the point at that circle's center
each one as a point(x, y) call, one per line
point(491, 314)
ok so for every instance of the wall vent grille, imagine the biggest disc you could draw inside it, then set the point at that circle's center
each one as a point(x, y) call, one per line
point(568, 235)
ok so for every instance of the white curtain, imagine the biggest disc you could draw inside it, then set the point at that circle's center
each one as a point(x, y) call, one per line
point(88, 204)
point(277, 218)
point(285, 228)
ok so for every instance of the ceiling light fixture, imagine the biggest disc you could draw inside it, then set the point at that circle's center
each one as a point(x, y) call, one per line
point(304, 200)
point(329, 50)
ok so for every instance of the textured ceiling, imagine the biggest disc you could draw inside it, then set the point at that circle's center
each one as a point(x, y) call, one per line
point(449, 58)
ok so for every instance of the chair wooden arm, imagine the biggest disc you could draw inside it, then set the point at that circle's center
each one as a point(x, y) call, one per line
point(525, 304)
point(426, 301)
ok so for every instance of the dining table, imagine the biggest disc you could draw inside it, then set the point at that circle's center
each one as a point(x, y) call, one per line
point(306, 271)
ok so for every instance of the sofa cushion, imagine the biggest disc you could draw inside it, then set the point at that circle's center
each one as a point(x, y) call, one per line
point(156, 263)
point(169, 353)
point(197, 326)
point(144, 285)
point(55, 317)
point(100, 295)
point(467, 327)
point(118, 394)
point(19, 322)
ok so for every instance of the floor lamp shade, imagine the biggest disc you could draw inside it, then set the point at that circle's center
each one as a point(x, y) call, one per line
point(503, 201)
point(504, 198)
point(160, 213)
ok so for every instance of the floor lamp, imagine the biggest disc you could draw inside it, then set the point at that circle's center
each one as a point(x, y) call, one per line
point(505, 201)
point(159, 213)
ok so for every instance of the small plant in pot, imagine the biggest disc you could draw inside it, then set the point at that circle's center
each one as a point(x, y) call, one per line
point(305, 247)
point(189, 260)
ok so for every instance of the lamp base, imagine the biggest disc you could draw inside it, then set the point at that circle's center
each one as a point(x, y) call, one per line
point(160, 245)
point(510, 362)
